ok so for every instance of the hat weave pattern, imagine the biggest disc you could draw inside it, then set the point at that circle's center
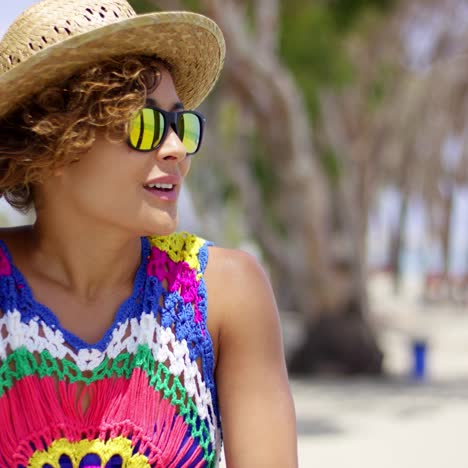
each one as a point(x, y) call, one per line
point(54, 39)
point(48, 23)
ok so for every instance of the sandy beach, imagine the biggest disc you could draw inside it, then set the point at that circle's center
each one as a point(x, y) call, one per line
point(395, 421)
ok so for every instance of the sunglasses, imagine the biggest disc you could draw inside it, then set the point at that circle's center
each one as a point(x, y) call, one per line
point(148, 129)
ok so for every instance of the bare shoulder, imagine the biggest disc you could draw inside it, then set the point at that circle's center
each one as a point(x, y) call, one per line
point(235, 278)
point(233, 264)
point(240, 295)
point(251, 376)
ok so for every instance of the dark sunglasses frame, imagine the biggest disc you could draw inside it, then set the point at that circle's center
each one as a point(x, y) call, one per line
point(170, 120)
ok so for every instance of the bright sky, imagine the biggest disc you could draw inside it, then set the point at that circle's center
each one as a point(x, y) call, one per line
point(10, 10)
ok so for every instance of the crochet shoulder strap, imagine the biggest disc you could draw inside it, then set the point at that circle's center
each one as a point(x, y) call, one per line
point(178, 262)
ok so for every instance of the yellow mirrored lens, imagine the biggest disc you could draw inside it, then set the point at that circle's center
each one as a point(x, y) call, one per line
point(150, 126)
point(135, 130)
point(189, 130)
point(146, 129)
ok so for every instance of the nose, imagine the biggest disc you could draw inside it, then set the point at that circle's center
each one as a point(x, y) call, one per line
point(172, 147)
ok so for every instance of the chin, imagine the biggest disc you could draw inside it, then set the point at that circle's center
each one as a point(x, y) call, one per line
point(162, 226)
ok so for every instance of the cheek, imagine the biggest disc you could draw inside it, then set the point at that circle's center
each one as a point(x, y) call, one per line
point(185, 165)
point(102, 177)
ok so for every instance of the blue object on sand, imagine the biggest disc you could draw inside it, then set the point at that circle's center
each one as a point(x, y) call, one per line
point(419, 348)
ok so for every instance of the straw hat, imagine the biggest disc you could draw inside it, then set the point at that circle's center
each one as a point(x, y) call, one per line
point(55, 38)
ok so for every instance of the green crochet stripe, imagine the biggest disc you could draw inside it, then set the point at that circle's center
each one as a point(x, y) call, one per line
point(21, 363)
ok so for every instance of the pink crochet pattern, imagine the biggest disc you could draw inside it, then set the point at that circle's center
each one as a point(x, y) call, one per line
point(142, 396)
point(179, 276)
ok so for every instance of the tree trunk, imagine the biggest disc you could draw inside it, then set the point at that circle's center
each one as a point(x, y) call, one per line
point(397, 243)
point(446, 228)
point(328, 293)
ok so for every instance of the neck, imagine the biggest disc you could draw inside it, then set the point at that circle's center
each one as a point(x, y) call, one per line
point(84, 259)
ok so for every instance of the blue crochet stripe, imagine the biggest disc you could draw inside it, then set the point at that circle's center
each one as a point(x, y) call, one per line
point(16, 294)
point(178, 315)
point(207, 352)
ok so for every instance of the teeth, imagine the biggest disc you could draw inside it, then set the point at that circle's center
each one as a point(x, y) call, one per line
point(161, 186)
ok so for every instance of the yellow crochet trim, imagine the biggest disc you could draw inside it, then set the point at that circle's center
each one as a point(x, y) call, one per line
point(77, 450)
point(181, 247)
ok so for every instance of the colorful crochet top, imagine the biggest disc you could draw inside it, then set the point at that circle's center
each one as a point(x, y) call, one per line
point(143, 396)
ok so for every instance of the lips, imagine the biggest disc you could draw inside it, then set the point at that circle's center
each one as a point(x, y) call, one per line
point(164, 187)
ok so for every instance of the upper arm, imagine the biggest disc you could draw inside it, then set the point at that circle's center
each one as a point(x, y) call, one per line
point(256, 406)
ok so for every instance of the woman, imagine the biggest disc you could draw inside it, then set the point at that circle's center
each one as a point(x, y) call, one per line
point(121, 342)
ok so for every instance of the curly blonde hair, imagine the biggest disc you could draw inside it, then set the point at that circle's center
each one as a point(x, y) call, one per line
point(59, 124)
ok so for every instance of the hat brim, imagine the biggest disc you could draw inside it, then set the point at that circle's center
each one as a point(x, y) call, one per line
point(192, 44)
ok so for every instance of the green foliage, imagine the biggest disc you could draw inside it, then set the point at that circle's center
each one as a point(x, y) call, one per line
point(347, 12)
point(382, 85)
point(144, 6)
point(267, 180)
point(262, 170)
point(228, 122)
point(148, 6)
point(310, 46)
point(313, 42)
point(331, 165)
point(313, 45)
point(229, 191)
point(192, 5)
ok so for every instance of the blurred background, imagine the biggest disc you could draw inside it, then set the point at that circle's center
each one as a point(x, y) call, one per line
point(337, 154)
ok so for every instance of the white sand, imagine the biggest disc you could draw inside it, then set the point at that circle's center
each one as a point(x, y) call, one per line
point(395, 421)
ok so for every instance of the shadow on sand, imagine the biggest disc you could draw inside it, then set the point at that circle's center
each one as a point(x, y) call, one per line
point(323, 403)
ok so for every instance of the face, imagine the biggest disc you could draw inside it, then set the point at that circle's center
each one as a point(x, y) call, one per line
point(114, 184)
